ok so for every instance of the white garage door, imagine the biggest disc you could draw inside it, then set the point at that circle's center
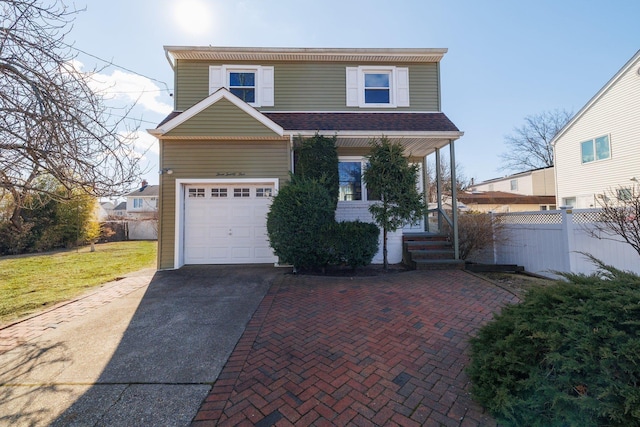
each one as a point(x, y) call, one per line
point(227, 224)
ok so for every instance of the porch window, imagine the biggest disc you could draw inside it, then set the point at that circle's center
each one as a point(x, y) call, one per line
point(350, 180)
point(595, 149)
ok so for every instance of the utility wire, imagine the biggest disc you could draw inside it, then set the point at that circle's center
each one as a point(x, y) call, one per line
point(119, 66)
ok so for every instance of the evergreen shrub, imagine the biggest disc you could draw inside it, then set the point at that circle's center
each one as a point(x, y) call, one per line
point(354, 243)
point(298, 224)
point(568, 355)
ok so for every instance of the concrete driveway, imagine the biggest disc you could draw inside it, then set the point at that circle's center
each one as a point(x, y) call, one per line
point(141, 351)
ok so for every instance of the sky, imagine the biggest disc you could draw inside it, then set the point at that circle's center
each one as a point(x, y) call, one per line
point(507, 59)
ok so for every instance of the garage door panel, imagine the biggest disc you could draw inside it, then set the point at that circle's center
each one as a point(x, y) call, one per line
point(226, 230)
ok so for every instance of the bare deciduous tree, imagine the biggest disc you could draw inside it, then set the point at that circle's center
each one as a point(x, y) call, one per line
point(619, 216)
point(51, 123)
point(462, 181)
point(530, 145)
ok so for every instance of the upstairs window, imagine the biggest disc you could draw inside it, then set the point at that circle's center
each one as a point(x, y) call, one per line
point(377, 86)
point(514, 184)
point(137, 203)
point(243, 85)
point(595, 149)
point(251, 83)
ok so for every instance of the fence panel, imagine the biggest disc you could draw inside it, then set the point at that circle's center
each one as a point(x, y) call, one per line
point(548, 241)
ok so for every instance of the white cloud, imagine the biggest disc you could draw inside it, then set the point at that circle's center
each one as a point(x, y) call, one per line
point(131, 88)
point(144, 144)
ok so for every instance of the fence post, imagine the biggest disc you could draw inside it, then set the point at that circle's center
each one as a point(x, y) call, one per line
point(492, 217)
point(568, 238)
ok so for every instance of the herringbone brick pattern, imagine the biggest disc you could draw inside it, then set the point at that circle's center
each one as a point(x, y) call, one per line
point(387, 350)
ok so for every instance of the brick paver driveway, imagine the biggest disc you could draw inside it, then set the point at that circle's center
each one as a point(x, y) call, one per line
point(386, 350)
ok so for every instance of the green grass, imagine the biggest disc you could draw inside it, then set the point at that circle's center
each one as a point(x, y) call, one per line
point(29, 283)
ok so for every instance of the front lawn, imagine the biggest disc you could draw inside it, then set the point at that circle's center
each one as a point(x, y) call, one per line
point(29, 283)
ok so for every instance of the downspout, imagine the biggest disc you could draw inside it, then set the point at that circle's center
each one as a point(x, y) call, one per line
point(439, 190)
point(454, 200)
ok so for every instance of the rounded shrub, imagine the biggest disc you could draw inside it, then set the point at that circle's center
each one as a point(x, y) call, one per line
point(355, 243)
point(568, 355)
point(299, 222)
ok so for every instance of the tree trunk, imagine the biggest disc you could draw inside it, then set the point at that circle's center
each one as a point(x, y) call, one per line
point(385, 263)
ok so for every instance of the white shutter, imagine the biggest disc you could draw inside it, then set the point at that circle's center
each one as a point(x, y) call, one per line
point(216, 78)
point(402, 87)
point(266, 87)
point(352, 87)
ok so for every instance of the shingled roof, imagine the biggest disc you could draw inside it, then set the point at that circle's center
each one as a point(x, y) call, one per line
point(379, 122)
point(376, 122)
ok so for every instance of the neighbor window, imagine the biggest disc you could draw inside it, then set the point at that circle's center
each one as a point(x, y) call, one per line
point(595, 149)
point(137, 203)
point(514, 185)
point(569, 201)
point(624, 193)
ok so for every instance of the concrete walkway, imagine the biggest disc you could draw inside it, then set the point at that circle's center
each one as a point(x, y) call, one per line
point(387, 350)
point(144, 350)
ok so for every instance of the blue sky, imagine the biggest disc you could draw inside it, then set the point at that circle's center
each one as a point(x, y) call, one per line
point(507, 58)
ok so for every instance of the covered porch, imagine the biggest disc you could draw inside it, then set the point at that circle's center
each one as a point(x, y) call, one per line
point(423, 135)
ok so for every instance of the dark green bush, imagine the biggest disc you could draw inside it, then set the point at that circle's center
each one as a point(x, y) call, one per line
point(298, 224)
point(317, 158)
point(568, 355)
point(355, 243)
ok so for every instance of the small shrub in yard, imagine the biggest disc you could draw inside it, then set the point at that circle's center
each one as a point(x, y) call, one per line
point(568, 355)
point(355, 243)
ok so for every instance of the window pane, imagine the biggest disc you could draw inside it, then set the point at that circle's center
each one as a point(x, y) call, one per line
point(602, 148)
point(376, 96)
point(376, 80)
point(587, 151)
point(350, 181)
point(242, 79)
point(247, 95)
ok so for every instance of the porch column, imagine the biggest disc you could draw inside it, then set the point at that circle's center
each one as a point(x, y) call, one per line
point(454, 200)
point(439, 190)
point(425, 192)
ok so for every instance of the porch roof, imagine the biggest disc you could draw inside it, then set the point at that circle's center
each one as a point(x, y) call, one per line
point(419, 133)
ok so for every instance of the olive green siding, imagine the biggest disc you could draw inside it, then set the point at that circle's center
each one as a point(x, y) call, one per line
point(310, 86)
point(212, 159)
point(221, 119)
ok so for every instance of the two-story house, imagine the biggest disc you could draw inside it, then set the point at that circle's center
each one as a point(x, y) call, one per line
point(597, 154)
point(142, 203)
point(228, 146)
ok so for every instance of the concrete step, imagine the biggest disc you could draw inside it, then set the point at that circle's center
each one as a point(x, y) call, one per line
point(432, 254)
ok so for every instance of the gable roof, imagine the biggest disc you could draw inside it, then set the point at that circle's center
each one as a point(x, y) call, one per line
point(175, 119)
point(635, 60)
point(515, 175)
point(146, 191)
point(122, 206)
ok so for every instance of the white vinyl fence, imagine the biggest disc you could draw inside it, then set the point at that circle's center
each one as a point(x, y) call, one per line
point(548, 241)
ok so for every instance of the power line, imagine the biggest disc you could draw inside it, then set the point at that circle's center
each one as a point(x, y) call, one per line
point(119, 66)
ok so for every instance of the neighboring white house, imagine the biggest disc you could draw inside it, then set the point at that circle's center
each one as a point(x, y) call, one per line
point(536, 182)
point(143, 202)
point(598, 152)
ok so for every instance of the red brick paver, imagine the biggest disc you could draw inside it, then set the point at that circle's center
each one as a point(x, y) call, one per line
point(386, 350)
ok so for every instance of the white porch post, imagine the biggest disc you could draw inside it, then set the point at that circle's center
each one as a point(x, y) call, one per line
point(454, 199)
point(425, 193)
point(439, 190)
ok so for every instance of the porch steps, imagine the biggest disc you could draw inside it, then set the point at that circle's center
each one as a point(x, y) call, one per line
point(429, 251)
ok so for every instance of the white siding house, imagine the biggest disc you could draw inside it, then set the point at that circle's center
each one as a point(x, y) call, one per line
point(598, 151)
